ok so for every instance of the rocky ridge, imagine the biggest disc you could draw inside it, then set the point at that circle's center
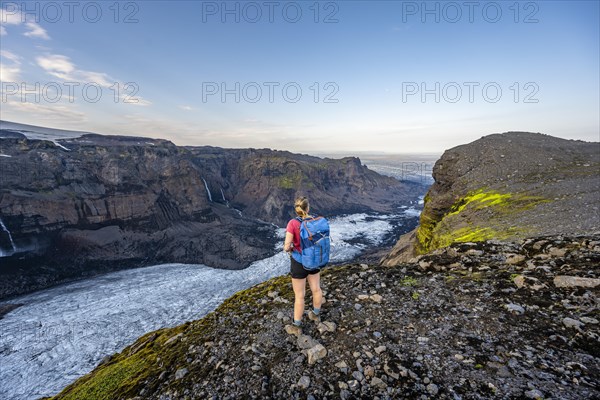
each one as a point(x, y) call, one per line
point(493, 319)
point(507, 186)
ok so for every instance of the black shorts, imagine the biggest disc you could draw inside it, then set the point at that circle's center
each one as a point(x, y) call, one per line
point(298, 271)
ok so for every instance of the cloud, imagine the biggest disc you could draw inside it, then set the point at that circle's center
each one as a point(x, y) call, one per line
point(57, 65)
point(15, 17)
point(12, 17)
point(36, 30)
point(10, 56)
point(62, 67)
point(186, 108)
point(100, 78)
point(41, 112)
point(134, 100)
point(9, 73)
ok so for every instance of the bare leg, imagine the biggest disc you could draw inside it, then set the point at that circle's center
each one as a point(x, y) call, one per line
point(314, 281)
point(299, 286)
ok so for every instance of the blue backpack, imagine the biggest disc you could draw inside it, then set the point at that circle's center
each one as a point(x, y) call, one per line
point(315, 243)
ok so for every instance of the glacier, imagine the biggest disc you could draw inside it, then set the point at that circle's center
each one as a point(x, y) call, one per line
point(62, 333)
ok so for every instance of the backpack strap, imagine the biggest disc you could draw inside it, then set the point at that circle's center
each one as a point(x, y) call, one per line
point(310, 235)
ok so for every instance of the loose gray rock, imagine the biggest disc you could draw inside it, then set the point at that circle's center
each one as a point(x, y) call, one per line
point(519, 281)
point(474, 252)
point(303, 383)
point(575, 281)
point(181, 373)
point(358, 376)
point(306, 342)
point(378, 383)
point(353, 385)
point(316, 353)
point(588, 320)
point(515, 308)
point(376, 298)
point(556, 252)
point(173, 339)
point(327, 326)
point(534, 394)
point(432, 388)
point(514, 259)
point(572, 323)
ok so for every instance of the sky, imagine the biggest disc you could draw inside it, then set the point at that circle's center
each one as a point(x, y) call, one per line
point(305, 76)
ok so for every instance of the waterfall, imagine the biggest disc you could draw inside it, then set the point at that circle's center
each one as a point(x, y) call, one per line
point(224, 199)
point(207, 190)
point(5, 229)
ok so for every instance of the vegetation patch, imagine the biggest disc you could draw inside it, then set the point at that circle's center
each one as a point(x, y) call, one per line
point(433, 233)
point(108, 381)
point(408, 281)
point(472, 234)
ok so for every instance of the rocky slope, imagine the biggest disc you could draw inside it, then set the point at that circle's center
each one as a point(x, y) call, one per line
point(471, 321)
point(502, 302)
point(508, 186)
point(80, 206)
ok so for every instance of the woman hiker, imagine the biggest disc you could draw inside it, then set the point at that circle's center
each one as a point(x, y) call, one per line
point(299, 274)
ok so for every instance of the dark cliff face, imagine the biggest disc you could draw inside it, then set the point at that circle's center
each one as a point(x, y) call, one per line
point(508, 186)
point(98, 203)
point(263, 183)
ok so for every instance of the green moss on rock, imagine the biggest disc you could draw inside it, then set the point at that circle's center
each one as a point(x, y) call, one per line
point(455, 225)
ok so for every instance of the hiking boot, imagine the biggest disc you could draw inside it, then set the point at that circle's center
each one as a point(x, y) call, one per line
point(293, 329)
point(314, 317)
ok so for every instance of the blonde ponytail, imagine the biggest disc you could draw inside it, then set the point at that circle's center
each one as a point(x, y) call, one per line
point(301, 206)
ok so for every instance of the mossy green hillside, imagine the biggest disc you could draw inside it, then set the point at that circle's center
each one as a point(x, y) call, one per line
point(143, 361)
point(452, 227)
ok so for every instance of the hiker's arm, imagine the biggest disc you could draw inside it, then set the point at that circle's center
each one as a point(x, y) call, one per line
point(288, 245)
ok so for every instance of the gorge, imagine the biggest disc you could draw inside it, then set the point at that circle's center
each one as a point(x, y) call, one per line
point(490, 311)
point(88, 204)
